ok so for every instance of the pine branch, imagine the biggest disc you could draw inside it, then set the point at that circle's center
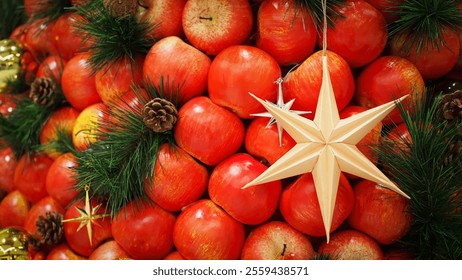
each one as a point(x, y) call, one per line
point(111, 39)
point(314, 8)
point(22, 128)
point(419, 169)
point(49, 9)
point(117, 166)
point(421, 22)
point(12, 15)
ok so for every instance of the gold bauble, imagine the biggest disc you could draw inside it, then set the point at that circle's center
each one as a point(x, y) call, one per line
point(10, 61)
point(13, 244)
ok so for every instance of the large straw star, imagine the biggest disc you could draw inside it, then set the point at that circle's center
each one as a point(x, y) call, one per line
point(326, 146)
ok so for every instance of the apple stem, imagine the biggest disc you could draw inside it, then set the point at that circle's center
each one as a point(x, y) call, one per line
point(284, 249)
point(207, 18)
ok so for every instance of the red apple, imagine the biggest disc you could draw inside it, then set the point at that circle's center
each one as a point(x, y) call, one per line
point(351, 245)
point(117, 78)
point(175, 255)
point(38, 38)
point(386, 79)
point(109, 250)
point(379, 212)
point(144, 230)
point(213, 25)
point(304, 83)
point(183, 69)
point(68, 42)
point(164, 17)
point(60, 181)
point(8, 165)
point(253, 205)
point(203, 231)
point(13, 210)
point(276, 240)
point(387, 8)
point(300, 207)
point(288, 34)
point(262, 142)
point(178, 179)
point(78, 239)
point(232, 77)
point(62, 122)
point(432, 61)
point(30, 175)
point(78, 83)
point(63, 252)
point(7, 104)
point(359, 34)
point(51, 67)
point(208, 132)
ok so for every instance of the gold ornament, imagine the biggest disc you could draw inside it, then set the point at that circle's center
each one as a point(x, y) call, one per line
point(10, 61)
point(88, 216)
point(13, 244)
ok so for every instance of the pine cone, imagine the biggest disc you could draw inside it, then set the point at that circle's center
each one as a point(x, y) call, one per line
point(160, 115)
point(451, 106)
point(455, 148)
point(43, 91)
point(121, 8)
point(50, 230)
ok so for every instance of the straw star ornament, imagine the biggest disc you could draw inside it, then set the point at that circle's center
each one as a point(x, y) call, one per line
point(326, 146)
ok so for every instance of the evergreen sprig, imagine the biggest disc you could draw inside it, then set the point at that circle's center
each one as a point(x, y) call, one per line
point(418, 167)
point(21, 129)
point(314, 8)
point(12, 15)
point(49, 10)
point(421, 22)
point(117, 166)
point(111, 39)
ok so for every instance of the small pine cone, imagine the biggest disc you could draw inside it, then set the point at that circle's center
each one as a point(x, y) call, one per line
point(455, 148)
point(50, 230)
point(451, 106)
point(160, 115)
point(43, 91)
point(121, 8)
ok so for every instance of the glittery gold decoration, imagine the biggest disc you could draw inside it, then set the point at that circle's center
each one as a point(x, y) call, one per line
point(13, 244)
point(10, 61)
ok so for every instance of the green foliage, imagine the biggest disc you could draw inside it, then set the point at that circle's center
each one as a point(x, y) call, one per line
point(111, 39)
point(11, 16)
point(421, 22)
point(49, 10)
point(118, 164)
point(418, 167)
point(314, 8)
point(22, 128)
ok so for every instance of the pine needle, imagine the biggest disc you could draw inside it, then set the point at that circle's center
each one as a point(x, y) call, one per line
point(117, 166)
point(314, 8)
point(419, 170)
point(12, 15)
point(50, 10)
point(421, 22)
point(22, 128)
point(111, 39)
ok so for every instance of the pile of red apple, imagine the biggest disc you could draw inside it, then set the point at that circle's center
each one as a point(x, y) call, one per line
point(219, 51)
